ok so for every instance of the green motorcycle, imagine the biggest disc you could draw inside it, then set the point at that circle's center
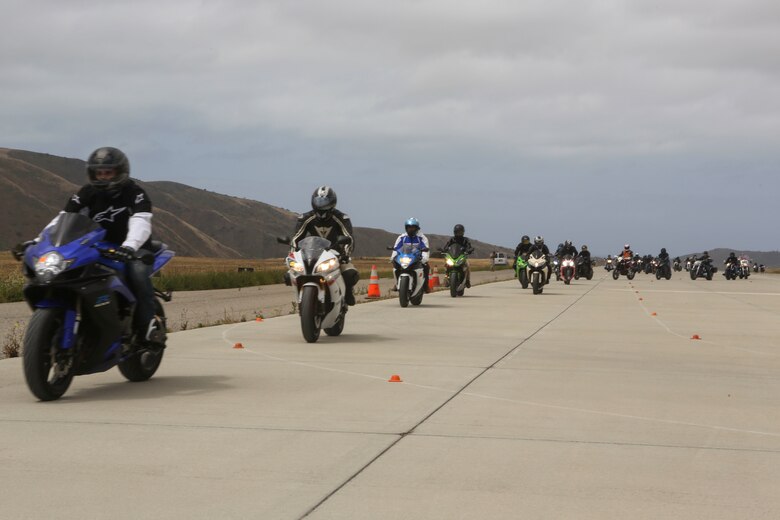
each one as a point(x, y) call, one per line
point(520, 270)
point(457, 269)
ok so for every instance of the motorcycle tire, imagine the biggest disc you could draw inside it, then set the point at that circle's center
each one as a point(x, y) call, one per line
point(668, 275)
point(337, 329)
point(590, 275)
point(631, 275)
point(417, 300)
point(310, 321)
point(536, 284)
point(576, 275)
point(44, 332)
point(615, 274)
point(566, 281)
point(693, 275)
point(709, 275)
point(524, 279)
point(658, 275)
point(142, 366)
point(403, 292)
point(454, 283)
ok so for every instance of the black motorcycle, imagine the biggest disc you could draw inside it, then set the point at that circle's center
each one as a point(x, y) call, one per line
point(731, 271)
point(703, 269)
point(662, 269)
point(584, 268)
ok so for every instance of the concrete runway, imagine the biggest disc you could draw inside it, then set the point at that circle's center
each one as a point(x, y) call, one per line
point(579, 403)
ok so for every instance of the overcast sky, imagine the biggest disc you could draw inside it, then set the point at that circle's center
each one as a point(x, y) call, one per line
point(654, 122)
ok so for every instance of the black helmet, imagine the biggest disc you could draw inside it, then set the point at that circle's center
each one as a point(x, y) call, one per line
point(526, 239)
point(584, 247)
point(458, 230)
point(567, 243)
point(323, 201)
point(663, 250)
point(539, 240)
point(733, 254)
point(108, 158)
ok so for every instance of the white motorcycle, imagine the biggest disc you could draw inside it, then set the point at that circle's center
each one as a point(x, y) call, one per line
point(315, 275)
point(537, 271)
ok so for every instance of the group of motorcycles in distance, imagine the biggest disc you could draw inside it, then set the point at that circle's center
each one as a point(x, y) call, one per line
point(531, 269)
point(696, 267)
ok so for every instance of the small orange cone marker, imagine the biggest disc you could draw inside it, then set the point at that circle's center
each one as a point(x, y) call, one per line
point(641, 299)
point(395, 379)
point(238, 345)
point(695, 336)
point(654, 314)
point(373, 284)
point(258, 319)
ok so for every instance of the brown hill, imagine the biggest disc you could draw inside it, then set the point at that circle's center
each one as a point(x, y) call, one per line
point(194, 222)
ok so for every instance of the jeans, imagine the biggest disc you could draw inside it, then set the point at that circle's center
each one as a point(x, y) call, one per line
point(140, 282)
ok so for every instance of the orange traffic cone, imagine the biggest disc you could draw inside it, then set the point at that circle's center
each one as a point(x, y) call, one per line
point(434, 279)
point(395, 379)
point(373, 284)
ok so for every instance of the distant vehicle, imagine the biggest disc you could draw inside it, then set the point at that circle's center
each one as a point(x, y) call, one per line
point(500, 259)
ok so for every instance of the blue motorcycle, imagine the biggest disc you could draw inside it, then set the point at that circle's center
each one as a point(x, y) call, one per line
point(82, 309)
point(409, 274)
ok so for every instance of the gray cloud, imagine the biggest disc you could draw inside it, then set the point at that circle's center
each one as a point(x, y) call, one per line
point(597, 121)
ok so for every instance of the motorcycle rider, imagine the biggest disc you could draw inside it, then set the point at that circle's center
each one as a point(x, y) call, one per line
point(539, 245)
point(732, 259)
point(459, 238)
point(413, 236)
point(121, 207)
point(626, 254)
point(567, 249)
point(524, 247)
point(325, 221)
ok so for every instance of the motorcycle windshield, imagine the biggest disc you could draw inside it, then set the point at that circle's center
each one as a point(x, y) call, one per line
point(312, 247)
point(70, 227)
point(455, 250)
point(410, 249)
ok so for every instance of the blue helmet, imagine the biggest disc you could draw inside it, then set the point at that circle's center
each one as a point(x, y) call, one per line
point(414, 224)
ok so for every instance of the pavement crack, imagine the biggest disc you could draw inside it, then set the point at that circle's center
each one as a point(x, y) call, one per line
point(460, 391)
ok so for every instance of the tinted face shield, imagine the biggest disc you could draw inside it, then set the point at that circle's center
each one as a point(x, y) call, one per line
point(412, 230)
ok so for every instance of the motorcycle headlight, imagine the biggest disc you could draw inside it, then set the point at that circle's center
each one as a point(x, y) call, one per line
point(450, 262)
point(328, 265)
point(405, 262)
point(295, 266)
point(50, 265)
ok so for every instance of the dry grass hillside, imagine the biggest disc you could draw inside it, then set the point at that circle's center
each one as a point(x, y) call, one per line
point(194, 222)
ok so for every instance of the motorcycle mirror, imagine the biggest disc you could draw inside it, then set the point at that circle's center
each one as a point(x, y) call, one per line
point(283, 240)
point(389, 248)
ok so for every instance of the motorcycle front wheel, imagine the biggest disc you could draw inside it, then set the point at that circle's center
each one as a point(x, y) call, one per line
point(630, 275)
point(615, 274)
point(403, 291)
point(310, 321)
point(47, 377)
point(524, 279)
point(454, 283)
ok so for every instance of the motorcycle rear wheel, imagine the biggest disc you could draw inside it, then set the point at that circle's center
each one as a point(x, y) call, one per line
point(337, 329)
point(310, 321)
point(41, 343)
point(142, 366)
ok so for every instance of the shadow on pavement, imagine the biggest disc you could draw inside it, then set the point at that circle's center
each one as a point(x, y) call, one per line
point(151, 389)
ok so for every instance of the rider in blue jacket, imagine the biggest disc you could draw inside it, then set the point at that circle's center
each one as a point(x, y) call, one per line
point(413, 236)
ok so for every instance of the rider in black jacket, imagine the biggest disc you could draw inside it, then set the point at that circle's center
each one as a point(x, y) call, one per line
point(124, 210)
point(567, 249)
point(523, 247)
point(325, 221)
